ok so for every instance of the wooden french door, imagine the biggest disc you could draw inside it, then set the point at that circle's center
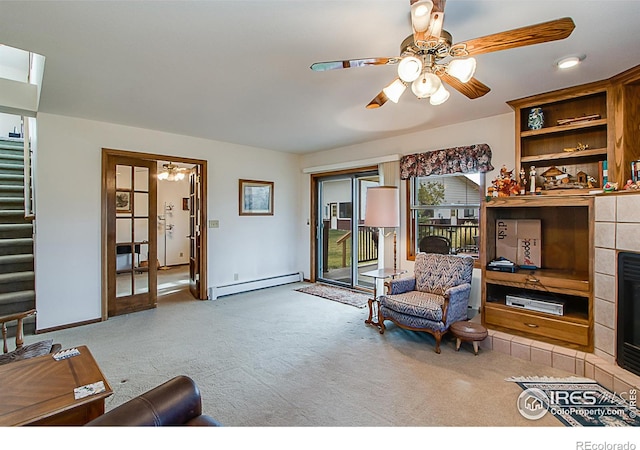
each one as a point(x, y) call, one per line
point(131, 236)
point(195, 232)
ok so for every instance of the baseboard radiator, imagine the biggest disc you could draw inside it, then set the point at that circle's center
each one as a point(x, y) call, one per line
point(245, 286)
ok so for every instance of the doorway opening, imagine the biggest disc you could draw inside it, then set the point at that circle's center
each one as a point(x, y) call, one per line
point(344, 247)
point(154, 241)
point(173, 227)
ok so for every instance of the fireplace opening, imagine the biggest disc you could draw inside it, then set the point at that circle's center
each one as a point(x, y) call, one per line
point(628, 351)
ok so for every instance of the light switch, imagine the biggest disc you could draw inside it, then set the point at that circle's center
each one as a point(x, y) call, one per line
point(214, 224)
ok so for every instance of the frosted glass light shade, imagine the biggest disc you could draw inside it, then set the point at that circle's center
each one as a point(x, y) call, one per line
point(383, 207)
point(566, 63)
point(462, 69)
point(421, 15)
point(171, 172)
point(426, 85)
point(440, 96)
point(395, 90)
point(409, 68)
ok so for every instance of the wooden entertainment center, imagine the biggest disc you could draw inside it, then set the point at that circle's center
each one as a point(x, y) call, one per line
point(602, 126)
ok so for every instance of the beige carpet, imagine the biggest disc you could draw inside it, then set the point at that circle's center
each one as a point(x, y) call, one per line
point(338, 294)
point(278, 357)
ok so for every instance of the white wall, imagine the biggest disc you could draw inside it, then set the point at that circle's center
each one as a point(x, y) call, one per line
point(497, 131)
point(8, 123)
point(68, 211)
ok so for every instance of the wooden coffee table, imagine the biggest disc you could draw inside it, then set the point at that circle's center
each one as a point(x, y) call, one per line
point(40, 391)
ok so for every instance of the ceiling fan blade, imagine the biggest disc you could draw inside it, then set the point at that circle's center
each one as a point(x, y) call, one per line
point(472, 88)
point(438, 5)
point(378, 101)
point(331, 65)
point(534, 34)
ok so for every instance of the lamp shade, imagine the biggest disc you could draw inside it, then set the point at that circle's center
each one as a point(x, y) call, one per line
point(421, 15)
point(409, 68)
point(462, 69)
point(440, 96)
point(395, 90)
point(426, 85)
point(383, 207)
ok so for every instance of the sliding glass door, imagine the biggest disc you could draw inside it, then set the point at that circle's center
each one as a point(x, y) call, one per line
point(345, 247)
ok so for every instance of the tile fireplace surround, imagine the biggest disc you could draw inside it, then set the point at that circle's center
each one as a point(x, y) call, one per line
point(617, 228)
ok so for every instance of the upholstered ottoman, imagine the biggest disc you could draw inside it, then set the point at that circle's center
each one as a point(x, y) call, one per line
point(468, 331)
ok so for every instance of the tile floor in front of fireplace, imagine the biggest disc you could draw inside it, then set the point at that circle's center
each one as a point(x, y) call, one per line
point(581, 364)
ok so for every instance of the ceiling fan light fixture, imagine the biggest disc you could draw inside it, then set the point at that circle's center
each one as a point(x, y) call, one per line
point(395, 90)
point(409, 69)
point(426, 85)
point(440, 96)
point(421, 15)
point(171, 172)
point(462, 69)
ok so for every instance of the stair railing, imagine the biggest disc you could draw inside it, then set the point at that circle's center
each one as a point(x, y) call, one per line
point(29, 210)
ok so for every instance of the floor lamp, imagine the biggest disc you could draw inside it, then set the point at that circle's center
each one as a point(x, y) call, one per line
point(383, 211)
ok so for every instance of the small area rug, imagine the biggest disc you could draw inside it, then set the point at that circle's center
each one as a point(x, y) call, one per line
point(576, 402)
point(346, 296)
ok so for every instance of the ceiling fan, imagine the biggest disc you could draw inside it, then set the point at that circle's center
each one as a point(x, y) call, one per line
point(428, 57)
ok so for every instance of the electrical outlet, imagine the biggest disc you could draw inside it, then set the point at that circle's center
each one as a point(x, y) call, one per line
point(181, 254)
point(235, 277)
point(214, 224)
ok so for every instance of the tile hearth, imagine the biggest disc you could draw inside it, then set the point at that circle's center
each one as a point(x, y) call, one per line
point(578, 363)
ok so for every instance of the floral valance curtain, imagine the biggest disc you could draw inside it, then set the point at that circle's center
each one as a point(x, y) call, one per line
point(468, 159)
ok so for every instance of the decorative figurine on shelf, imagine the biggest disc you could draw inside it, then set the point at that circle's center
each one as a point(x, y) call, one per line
point(580, 147)
point(536, 119)
point(632, 185)
point(610, 186)
point(504, 185)
point(532, 177)
point(522, 185)
point(554, 178)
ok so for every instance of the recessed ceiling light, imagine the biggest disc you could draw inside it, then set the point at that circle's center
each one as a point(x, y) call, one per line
point(570, 61)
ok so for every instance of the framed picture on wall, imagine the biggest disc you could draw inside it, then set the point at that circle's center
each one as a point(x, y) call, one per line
point(256, 198)
point(123, 201)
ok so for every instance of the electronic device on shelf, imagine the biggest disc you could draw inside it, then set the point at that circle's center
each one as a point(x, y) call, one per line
point(536, 303)
point(502, 265)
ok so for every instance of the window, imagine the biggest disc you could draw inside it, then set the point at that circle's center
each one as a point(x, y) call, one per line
point(448, 206)
point(346, 210)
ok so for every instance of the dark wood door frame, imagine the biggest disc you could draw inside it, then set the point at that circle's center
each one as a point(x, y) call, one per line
point(106, 153)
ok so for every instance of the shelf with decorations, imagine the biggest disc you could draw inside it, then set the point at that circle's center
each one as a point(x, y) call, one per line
point(563, 137)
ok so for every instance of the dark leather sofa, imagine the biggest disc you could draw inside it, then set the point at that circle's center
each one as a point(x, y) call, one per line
point(175, 402)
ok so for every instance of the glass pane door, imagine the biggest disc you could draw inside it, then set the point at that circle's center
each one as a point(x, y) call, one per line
point(335, 237)
point(131, 243)
point(368, 237)
point(345, 247)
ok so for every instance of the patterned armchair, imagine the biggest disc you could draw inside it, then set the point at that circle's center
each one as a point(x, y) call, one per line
point(434, 298)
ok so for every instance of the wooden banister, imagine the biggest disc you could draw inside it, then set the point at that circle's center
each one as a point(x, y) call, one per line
point(19, 330)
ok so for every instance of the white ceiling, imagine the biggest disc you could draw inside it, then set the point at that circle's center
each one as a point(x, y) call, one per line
point(238, 71)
